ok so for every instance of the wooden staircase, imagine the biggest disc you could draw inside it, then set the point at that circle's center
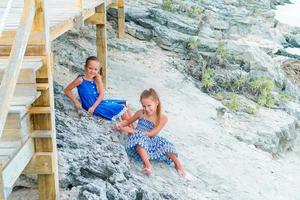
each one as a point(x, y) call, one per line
point(27, 144)
point(27, 118)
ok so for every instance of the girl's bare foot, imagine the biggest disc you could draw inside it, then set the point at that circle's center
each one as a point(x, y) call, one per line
point(179, 169)
point(177, 164)
point(181, 172)
point(147, 169)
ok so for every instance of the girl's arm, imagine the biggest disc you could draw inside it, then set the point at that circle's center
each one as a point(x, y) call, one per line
point(68, 91)
point(156, 130)
point(132, 119)
point(100, 89)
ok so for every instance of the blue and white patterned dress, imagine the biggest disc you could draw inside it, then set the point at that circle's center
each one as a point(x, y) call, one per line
point(109, 109)
point(157, 147)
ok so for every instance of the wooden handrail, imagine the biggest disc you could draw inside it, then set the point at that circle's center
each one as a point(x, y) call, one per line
point(16, 57)
point(79, 4)
point(41, 24)
point(5, 15)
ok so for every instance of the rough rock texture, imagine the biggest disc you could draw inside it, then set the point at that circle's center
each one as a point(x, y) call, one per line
point(248, 28)
point(293, 40)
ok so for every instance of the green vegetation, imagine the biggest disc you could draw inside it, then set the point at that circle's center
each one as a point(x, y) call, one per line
point(168, 5)
point(195, 12)
point(266, 99)
point(207, 79)
point(252, 109)
point(193, 43)
point(285, 97)
point(218, 96)
point(260, 84)
point(222, 51)
point(258, 89)
point(234, 103)
point(237, 84)
point(261, 88)
point(181, 7)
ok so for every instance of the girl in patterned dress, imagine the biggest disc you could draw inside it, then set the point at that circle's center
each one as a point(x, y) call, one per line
point(144, 143)
point(91, 92)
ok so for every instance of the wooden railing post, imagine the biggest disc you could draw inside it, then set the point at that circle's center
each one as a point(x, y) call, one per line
point(121, 19)
point(79, 4)
point(47, 183)
point(41, 26)
point(101, 42)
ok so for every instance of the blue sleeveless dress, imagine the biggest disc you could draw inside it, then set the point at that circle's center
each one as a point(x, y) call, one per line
point(157, 147)
point(109, 109)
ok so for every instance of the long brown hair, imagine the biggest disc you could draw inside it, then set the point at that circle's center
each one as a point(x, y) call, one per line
point(152, 93)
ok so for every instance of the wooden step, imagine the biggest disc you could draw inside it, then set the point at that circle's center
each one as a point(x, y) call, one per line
point(11, 135)
point(44, 140)
point(41, 163)
point(14, 117)
point(24, 100)
point(40, 110)
point(25, 76)
point(28, 69)
point(15, 135)
point(4, 160)
point(21, 110)
point(13, 163)
point(24, 89)
point(29, 62)
point(10, 144)
point(8, 151)
point(42, 86)
point(17, 128)
point(42, 134)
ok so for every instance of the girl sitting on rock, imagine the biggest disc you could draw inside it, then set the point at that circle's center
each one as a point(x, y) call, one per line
point(91, 93)
point(144, 143)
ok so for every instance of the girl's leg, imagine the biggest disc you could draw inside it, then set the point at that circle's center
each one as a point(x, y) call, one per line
point(127, 115)
point(177, 163)
point(144, 156)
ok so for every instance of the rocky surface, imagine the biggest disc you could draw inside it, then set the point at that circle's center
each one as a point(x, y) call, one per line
point(241, 154)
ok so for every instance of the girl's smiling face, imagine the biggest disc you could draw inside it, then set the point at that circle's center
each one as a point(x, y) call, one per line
point(92, 69)
point(149, 105)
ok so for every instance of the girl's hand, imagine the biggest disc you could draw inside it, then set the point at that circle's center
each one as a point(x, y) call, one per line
point(78, 105)
point(147, 134)
point(118, 126)
point(91, 110)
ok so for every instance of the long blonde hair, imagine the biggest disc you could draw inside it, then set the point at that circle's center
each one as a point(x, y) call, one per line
point(152, 93)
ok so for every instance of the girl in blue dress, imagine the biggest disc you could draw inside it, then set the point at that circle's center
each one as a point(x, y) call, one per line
point(144, 143)
point(91, 92)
